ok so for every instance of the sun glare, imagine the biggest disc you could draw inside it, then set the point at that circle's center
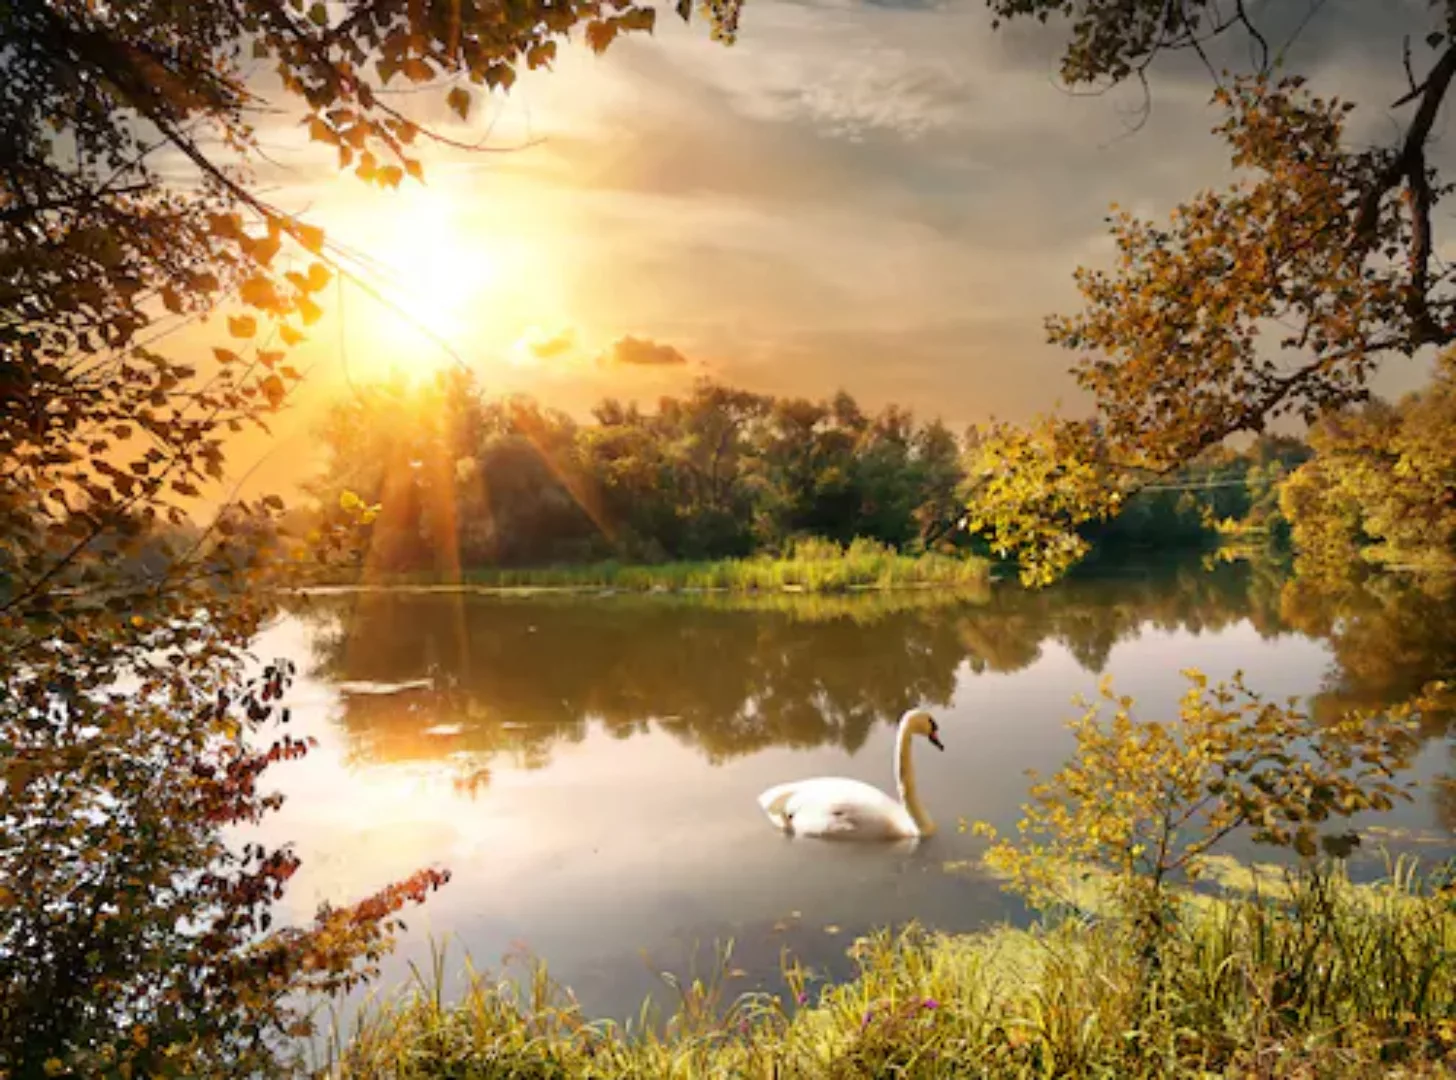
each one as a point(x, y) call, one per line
point(460, 278)
point(437, 264)
point(437, 273)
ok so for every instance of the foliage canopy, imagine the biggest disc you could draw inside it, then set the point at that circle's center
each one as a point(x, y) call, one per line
point(133, 725)
point(1277, 296)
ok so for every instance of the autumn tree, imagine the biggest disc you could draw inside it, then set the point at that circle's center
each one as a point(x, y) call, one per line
point(1381, 489)
point(132, 729)
point(1277, 296)
point(717, 472)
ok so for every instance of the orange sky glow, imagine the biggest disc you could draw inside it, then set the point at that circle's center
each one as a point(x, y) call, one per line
point(886, 198)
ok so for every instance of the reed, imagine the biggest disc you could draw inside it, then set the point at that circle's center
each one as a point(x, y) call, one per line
point(1318, 977)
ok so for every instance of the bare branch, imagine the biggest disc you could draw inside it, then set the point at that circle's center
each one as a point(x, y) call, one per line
point(1408, 164)
point(1242, 16)
point(1314, 9)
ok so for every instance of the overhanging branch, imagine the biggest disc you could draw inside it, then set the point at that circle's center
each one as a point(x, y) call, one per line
point(1408, 166)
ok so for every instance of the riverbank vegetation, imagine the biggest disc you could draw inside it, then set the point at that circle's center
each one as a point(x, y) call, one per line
point(807, 565)
point(1312, 976)
point(719, 488)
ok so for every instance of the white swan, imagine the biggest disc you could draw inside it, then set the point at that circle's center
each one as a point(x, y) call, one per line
point(837, 808)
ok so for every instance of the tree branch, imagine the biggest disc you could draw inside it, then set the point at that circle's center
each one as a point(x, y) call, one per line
point(1412, 152)
point(1242, 16)
point(1408, 165)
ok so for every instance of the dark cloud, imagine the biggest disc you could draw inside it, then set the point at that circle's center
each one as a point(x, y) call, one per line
point(640, 352)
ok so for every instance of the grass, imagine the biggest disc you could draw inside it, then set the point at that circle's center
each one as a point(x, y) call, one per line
point(1316, 978)
point(814, 566)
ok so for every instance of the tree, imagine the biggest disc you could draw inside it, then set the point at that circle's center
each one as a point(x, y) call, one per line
point(1381, 489)
point(132, 940)
point(713, 474)
point(1330, 242)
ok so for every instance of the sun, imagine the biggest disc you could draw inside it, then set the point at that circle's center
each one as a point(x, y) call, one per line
point(436, 274)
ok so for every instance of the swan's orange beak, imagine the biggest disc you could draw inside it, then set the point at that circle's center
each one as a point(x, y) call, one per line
point(935, 741)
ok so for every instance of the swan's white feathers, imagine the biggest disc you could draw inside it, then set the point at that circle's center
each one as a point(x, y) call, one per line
point(834, 807)
point(831, 806)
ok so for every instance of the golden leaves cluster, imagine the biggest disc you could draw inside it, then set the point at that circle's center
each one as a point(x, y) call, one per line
point(1381, 492)
point(1029, 489)
point(1146, 802)
point(1250, 302)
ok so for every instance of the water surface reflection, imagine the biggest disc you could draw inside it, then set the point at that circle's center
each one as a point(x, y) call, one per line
point(588, 766)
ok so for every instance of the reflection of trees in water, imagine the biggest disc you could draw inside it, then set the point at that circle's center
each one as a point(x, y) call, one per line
point(1090, 616)
point(1390, 636)
point(519, 677)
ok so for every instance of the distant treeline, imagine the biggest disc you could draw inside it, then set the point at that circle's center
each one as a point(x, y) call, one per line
point(1222, 493)
point(467, 481)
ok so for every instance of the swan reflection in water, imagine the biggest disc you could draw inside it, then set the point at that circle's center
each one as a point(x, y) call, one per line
point(838, 808)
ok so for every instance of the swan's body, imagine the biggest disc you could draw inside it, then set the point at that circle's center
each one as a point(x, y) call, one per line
point(837, 808)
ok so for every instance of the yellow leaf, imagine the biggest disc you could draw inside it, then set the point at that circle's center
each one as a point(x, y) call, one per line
point(318, 276)
point(310, 236)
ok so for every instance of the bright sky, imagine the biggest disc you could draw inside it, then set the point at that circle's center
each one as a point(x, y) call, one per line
point(882, 196)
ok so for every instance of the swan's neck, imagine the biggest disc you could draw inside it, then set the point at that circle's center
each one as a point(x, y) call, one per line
point(905, 781)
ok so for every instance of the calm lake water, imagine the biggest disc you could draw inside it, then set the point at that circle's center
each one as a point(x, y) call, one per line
point(587, 767)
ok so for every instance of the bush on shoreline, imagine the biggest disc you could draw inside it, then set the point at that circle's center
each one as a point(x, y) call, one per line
point(816, 566)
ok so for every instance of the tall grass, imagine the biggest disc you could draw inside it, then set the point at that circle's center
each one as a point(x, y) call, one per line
point(1319, 978)
point(813, 565)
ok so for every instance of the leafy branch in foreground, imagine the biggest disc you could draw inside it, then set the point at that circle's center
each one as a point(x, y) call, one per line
point(133, 939)
point(1145, 803)
point(1029, 489)
point(1278, 296)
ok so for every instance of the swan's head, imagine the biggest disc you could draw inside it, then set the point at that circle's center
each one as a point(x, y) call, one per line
point(920, 722)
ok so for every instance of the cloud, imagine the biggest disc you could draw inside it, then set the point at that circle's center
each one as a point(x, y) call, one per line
point(535, 346)
point(631, 351)
point(883, 195)
point(558, 344)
